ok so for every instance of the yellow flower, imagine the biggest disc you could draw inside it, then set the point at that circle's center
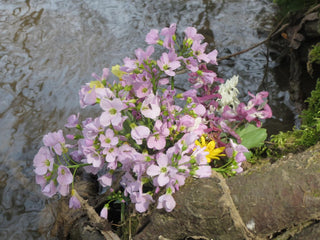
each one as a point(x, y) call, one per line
point(117, 72)
point(96, 84)
point(214, 153)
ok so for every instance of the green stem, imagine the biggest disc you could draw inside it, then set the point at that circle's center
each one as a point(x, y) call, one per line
point(79, 165)
point(122, 212)
point(172, 83)
point(58, 158)
point(74, 173)
point(222, 168)
point(71, 160)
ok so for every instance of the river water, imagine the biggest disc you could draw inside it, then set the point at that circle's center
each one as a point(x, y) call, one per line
point(49, 48)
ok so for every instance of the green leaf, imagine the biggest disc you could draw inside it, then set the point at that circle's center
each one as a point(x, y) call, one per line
point(248, 155)
point(252, 136)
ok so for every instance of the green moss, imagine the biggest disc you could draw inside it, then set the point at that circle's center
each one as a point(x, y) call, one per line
point(310, 116)
point(313, 57)
point(293, 6)
point(309, 132)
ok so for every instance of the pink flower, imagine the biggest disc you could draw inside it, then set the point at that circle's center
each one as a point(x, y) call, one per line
point(41, 180)
point(251, 113)
point(142, 85)
point(213, 57)
point(105, 74)
point(150, 107)
point(95, 159)
point(73, 120)
point(237, 151)
point(161, 171)
point(92, 129)
point(144, 55)
point(108, 139)
point(104, 212)
point(64, 176)
point(74, 202)
point(50, 189)
point(158, 139)
point(140, 132)
point(202, 78)
point(191, 64)
point(129, 65)
point(199, 51)
point(239, 169)
point(168, 63)
point(111, 156)
point(204, 171)
point(167, 202)
point(141, 200)
point(168, 34)
point(200, 110)
point(153, 36)
point(191, 33)
point(54, 140)
point(43, 161)
point(105, 180)
point(87, 96)
point(112, 111)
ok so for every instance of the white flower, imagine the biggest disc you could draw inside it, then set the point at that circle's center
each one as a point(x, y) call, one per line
point(229, 93)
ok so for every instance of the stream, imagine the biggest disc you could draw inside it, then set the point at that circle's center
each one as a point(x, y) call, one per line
point(49, 48)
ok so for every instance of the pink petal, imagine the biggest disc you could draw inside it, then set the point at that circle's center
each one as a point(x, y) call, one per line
point(163, 179)
point(153, 170)
point(162, 160)
point(170, 203)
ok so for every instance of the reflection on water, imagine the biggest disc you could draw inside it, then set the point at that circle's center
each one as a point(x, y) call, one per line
point(48, 49)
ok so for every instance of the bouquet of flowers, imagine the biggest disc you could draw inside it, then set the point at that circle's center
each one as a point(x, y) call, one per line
point(154, 133)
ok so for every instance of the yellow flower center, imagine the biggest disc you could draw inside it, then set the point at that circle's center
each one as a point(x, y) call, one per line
point(210, 147)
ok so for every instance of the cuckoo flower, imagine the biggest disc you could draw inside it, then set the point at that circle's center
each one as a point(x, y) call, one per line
point(64, 176)
point(168, 63)
point(168, 34)
point(108, 139)
point(191, 33)
point(50, 189)
point(74, 201)
point(237, 151)
point(92, 129)
point(153, 36)
point(158, 139)
point(199, 51)
point(105, 74)
point(161, 170)
point(73, 121)
point(95, 159)
point(104, 212)
point(112, 111)
point(191, 64)
point(87, 96)
point(144, 55)
point(105, 180)
point(43, 161)
point(150, 107)
point(55, 140)
point(167, 202)
point(141, 200)
point(138, 133)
